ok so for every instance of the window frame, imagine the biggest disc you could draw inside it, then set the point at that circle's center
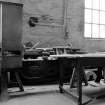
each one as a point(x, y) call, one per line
point(92, 10)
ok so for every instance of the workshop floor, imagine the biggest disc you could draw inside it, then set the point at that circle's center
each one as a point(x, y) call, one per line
point(47, 95)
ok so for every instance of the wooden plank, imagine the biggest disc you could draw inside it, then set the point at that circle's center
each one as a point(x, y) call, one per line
point(79, 55)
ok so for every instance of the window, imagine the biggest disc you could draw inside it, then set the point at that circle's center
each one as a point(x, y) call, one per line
point(94, 19)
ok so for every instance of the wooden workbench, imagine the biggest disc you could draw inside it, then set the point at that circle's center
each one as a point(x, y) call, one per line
point(79, 61)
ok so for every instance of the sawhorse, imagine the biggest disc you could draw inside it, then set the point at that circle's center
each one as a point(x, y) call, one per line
point(74, 76)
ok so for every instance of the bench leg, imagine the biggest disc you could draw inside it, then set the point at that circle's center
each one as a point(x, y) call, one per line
point(74, 76)
point(19, 81)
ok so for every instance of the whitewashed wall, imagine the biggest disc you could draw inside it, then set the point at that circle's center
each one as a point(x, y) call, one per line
point(49, 31)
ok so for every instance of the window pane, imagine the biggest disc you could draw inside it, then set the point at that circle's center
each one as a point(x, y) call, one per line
point(88, 17)
point(95, 31)
point(88, 3)
point(96, 17)
point(102, 31)
point(87, 30)
point(102, 17)
point(96, 4)
point(102, 4)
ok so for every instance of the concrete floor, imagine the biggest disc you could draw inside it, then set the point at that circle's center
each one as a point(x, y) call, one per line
point(45, 95)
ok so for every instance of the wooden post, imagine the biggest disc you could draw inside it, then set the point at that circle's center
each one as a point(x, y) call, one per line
point(4, 92)
point(73, 77)
point(61, 72)
point(79, 87)
point(104, 73)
